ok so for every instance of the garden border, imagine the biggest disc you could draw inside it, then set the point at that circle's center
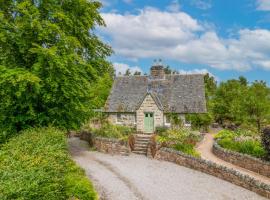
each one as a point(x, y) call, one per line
point(214, 169)
point(242, 160)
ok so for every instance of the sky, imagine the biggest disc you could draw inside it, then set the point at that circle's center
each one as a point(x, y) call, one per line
point(226, 38)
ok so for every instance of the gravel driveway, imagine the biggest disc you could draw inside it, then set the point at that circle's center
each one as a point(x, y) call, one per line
point(137, 177)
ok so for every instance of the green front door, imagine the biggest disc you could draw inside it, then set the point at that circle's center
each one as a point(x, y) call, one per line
point(149, 122)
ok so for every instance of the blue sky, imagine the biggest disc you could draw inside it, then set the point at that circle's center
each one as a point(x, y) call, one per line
point(226, 38)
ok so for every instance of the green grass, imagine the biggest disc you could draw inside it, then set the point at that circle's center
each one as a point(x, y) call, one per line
point(36, 165)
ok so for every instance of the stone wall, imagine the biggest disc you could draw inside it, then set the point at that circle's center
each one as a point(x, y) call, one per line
point(149, 105)
point(111, 146)
point(126, 119)
point(211, 168)
point(253, 164)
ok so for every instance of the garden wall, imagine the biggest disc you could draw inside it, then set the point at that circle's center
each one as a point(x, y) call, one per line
point(111, 146)
point(211, 168)
point(248, 162)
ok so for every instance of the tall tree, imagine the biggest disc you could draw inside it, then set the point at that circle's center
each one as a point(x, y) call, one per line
point(50, 61)
point(228, 102)
point(257, 103)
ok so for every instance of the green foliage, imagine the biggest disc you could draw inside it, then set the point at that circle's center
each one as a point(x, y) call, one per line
point(175, 120)
point(102, 128)
point(257, 104)
point(242, 141)
point(161, 130)
point(266, 141)
point(199, 121)
point(180, 139)
point(250, 147)
point(237, 102)
point(36, 165)
point(187, 149)
point(228, 102)
point(52, 63)
point(225, 134)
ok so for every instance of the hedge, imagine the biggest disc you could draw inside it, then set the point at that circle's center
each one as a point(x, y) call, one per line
point(36, 165)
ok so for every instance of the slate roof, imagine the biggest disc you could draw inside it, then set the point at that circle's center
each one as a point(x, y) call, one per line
point(175, 93)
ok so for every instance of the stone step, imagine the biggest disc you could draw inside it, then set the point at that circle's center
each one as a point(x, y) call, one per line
point(141, 144)
point(140, 140)
point(140, 147)
point(139, 152)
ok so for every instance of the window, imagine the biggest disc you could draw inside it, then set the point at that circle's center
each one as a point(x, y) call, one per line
point(167, 121)
point(118, 118)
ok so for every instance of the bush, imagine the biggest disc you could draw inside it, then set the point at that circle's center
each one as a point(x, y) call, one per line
point(108, 130)
point(36, 165)
point(187, 149)
point(225, 134)
point(160, 130)
point(266, 141)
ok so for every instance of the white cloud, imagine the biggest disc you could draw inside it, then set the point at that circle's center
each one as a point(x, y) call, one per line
point(122, 68)
point(263, 5)
point(202, 4)
point(198, 71)
point(195, 71)
point(176, 35)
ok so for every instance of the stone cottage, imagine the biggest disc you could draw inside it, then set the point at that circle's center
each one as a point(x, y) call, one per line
point(144, 102)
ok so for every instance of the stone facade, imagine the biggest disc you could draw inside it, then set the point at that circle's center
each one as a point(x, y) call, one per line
point(213, 169)
point(111, 146)
point(245, 161)
point(126, 119)
point(149, 105)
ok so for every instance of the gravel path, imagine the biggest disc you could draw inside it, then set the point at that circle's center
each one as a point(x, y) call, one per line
point(205, 149)
point(139, 178)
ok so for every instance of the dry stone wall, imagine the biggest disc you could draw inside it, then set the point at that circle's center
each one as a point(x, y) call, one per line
point(211, 168)
point(111, 146)
point(253, 164)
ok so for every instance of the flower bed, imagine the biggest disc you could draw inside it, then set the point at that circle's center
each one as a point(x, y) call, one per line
point(251, 163)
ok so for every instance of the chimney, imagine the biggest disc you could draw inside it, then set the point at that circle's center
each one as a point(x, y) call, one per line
point(157, 70)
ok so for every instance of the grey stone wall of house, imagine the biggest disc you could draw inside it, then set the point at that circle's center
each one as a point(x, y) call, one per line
point(126, 119)
point(245, 161)
point(149, 105)
point(211, 168)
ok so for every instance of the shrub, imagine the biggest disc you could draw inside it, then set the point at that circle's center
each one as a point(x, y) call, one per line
point(250, 147)
point(266, 141)
point(225, 134)
point(160, 130)
point(36, 165)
